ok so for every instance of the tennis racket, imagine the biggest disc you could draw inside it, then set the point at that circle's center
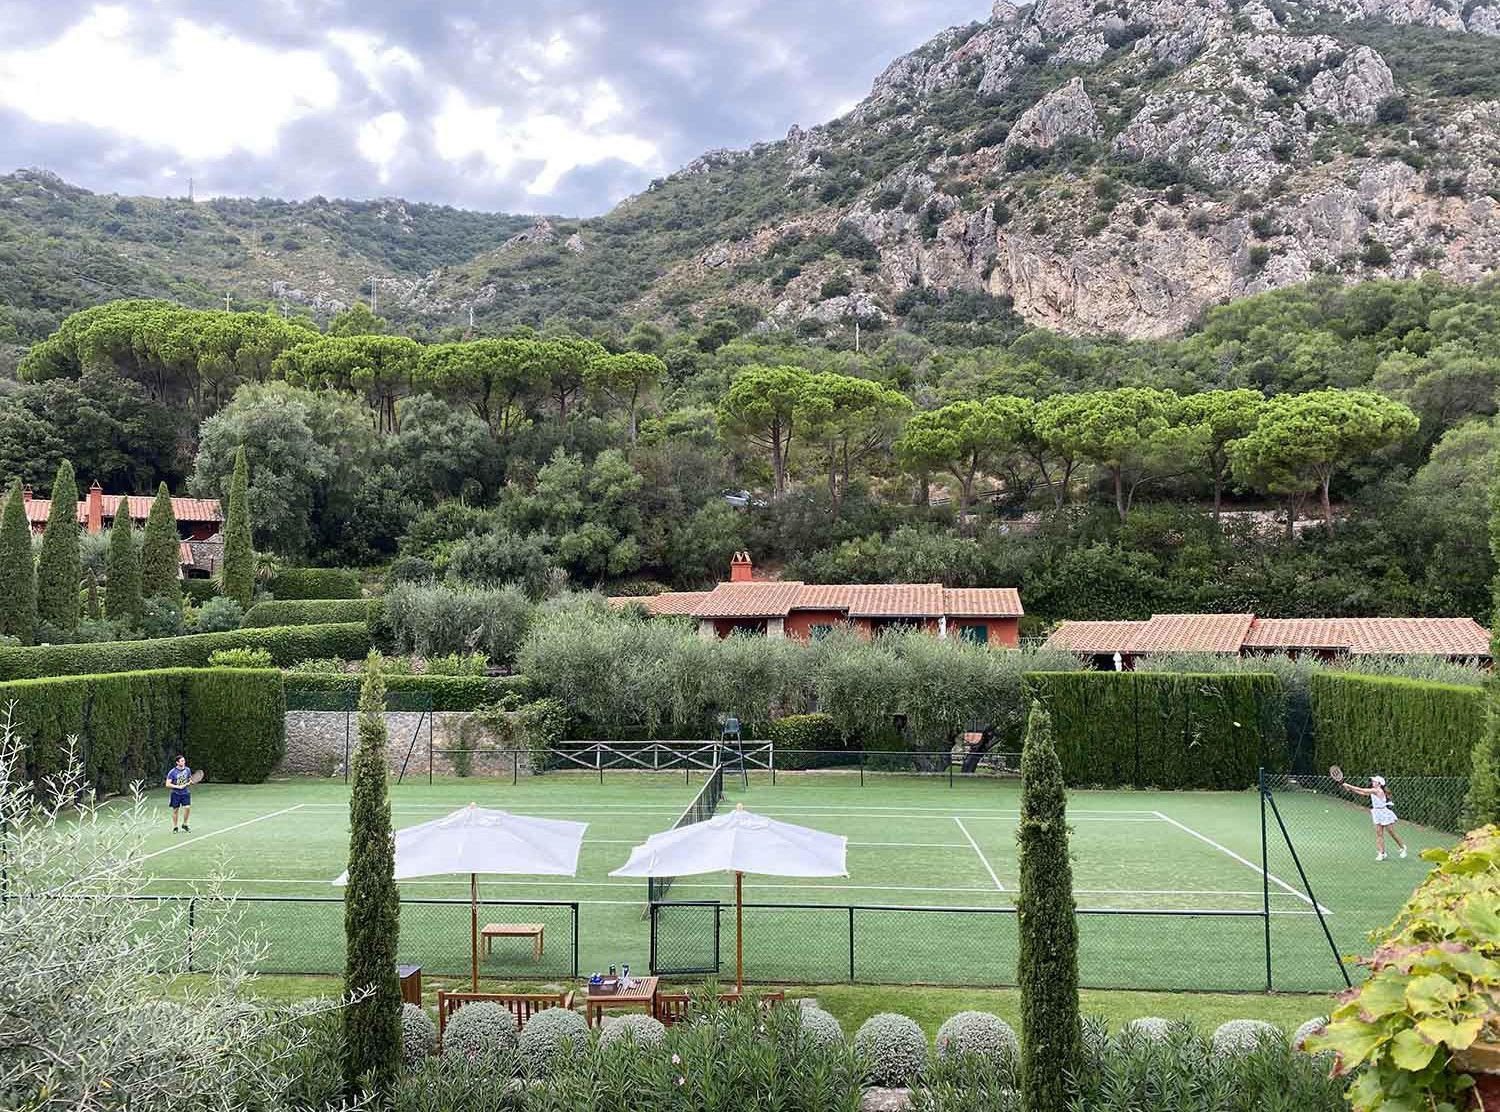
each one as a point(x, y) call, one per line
point(1336, 774)
point(195, 778)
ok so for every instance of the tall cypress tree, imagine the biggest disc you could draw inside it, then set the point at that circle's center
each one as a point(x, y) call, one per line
point(122, 570)
point(17, 570)
point(372, 908)
point(237, 575)
point(1048, 967)
point(161, 561)
point(60, 566)
point(1482, 806)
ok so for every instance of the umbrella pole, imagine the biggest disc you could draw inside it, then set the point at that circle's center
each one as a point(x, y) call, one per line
point(474, 931)
point(739, 932)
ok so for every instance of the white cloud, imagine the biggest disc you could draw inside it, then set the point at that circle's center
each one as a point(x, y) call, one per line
point(201, 92)
point(379, 140)
point(463, 130)
point(376, 62)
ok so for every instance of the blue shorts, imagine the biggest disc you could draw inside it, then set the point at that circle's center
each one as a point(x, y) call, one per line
point(180, 797)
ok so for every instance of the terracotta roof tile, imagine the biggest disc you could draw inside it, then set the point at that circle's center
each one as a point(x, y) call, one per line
point(1094, 637)
point(982, 602)
point(895, 600)
point(824, 596)
point(1418, 636)
point(749, 600)
point(184, 509)
point(1192, 633)
point(1298, 633)
point(668, 603)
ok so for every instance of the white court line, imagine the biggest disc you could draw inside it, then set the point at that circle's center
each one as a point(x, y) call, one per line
point(223, 830)
point(634, 809)
point(860, 845)
point(983, 860)
point(1272, 877)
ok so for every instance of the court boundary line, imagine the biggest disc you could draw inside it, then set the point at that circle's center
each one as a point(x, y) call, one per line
point(983, 860)
point(1272, 877)
point(222, 830)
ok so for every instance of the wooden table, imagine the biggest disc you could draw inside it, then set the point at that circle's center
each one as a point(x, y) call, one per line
point(532, 931)
point(642, 992)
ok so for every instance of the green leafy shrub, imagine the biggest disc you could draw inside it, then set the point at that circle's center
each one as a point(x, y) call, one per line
point(1395, 726)
point(645, 1032)
point(431, 619)
point(200, 590)
point(231, 722)
point(286, 646)
point(819, 1028)
point(161, 616)
point(893, 1049)
point(1164, 730)
point(297, 612)
point(1434, 980)
point(1315, 1026)
point(419, 1035)
point(240, 658)
point(450, 1082)
point(314, 583)
point(1149, 1027)
point(978, 1033)
point(454, 664)
point(1241, 1036)
point(219, 615)
point(479, 1028)
point(458, 693)
point(808, 741)
point(550, 1035)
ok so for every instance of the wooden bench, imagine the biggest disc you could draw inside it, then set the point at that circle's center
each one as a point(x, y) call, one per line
point(532, 931)
point(521, 1005)
point(673, 1007)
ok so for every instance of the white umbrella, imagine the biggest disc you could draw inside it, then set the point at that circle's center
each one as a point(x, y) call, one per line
point(741, 842)
point(478, 840)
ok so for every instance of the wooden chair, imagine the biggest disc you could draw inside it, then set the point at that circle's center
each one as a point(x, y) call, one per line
point(673, 1007)
point(521, 1005)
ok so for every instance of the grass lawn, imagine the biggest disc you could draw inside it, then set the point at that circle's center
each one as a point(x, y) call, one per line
point(1169, 882)
point(929, 1006)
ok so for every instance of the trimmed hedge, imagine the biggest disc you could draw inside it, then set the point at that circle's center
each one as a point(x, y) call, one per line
point(300, 612)
point(229, 721)
point(314, 583)
point(811, 741)
point(287, 645)
point(1164, 730)
point(1395, 727)
point(200, 590)
point(448, 692)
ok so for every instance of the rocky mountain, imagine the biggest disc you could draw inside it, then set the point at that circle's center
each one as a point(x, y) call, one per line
point(1104, 165)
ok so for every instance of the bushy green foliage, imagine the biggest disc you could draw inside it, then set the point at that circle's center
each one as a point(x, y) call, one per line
point(419, 1035)
point(448, 693)
point(893, 1050)
point(237, 575)
point(478, 1029)
point(819, 1028)
point(1241, 1036)
point(161, 556)
point(1315, 1026)
point(432, 619)
point(314, 583)
point(240, 658)
point(1047, 966)
point(58, 569)
point(230, 722)
point(978, 1033)
point(551, 1037)
point(122, 602)
point(17, 571)
point(309, 612)
point(286, 646)
point(646, 1033)
point(808, 741)
point(219, 615)
point(372, 905)
point(1164, 730)
point(1395, 727)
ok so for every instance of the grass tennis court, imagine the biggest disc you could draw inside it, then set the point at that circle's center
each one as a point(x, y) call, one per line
point(917, 846)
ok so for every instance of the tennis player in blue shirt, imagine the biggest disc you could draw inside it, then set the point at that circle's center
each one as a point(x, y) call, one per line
point(177, 780)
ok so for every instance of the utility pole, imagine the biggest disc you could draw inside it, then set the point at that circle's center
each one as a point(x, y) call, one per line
point(374, 295)
point(226, 302)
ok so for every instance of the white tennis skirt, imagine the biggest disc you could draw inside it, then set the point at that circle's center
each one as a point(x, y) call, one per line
point(1383, 816)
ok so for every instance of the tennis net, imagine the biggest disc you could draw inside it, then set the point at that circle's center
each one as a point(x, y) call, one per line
point(702, 807)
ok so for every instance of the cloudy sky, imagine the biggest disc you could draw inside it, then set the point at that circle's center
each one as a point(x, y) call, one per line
point(559, 106)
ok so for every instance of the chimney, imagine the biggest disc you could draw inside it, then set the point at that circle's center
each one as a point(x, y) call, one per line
point(740, 568)
point(26, 493)
point(96, 508)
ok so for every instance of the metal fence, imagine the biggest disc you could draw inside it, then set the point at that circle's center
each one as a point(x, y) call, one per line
point(305, 934)
point(702, 807)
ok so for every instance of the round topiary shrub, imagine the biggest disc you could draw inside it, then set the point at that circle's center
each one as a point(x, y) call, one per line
point(1150, 1028)
point(547, 1033)
point(819, 1028)
point(978, 1033)
point(418, 1035)
point(893, 1048)
point(1243, 1036)
point(479, 1028)
point(646, 1032)
point(1311, 1027)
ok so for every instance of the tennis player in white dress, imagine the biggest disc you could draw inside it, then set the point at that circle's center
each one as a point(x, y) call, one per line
point(1381, 814)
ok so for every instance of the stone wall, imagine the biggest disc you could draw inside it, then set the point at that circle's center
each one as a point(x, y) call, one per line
point(315, 743)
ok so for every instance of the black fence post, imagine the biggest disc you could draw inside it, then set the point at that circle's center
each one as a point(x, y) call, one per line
point(861, 768)
point(1307, 885)
point(1265, 876)
point(192, 918)
point(851, 944)
point(515, 768)
point(576, 928)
